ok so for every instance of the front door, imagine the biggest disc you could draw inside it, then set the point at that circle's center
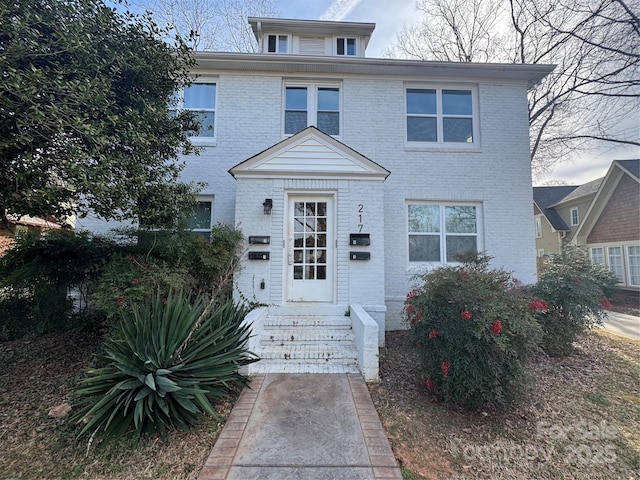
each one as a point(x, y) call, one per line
point(310, 248)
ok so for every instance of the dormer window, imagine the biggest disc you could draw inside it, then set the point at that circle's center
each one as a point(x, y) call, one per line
point(346, 46)
point(278, 44)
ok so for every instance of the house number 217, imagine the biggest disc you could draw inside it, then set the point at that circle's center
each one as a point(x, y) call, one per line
point(360, 212)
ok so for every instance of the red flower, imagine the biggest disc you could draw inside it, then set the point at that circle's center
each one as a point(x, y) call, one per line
point(136, 281)
point(465, 274)
point(429, 384)
point(120, 300)
point(412, 293)
point(434, 333)
point(445, 367)
point(605, 303)
point(496, 327)
point(575, 279)
point(465, 315)
point(409, 309)
point(538, 305)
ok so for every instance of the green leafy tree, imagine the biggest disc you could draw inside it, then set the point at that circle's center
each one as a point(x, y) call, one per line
point(84, 124)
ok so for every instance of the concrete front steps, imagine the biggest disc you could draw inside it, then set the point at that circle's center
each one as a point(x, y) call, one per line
point(306, 343)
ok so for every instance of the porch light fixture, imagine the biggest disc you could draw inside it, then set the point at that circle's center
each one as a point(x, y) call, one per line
point(268, 205)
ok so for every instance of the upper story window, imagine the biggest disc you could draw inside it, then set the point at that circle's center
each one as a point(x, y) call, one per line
point(346, 46)
point(200, 98)
point(575, 219)
point(441, 115)
point(538, 225)
point(439, 232)
point(278, 43)
point(312, 104)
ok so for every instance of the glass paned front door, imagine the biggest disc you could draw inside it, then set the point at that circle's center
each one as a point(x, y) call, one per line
point(309, 250)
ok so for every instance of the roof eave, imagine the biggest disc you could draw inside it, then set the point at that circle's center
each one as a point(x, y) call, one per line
point(289, 63)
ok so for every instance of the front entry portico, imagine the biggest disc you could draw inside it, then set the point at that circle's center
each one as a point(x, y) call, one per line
point(306, 264)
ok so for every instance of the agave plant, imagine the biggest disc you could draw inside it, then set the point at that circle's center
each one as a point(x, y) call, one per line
point(170, 360)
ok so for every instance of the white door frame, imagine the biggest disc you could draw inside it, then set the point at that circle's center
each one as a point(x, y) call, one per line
point(299, 290)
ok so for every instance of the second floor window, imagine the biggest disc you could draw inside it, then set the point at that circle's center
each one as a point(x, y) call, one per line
point(316, 105)
point(440, 115)
point(200, 98)
point(575, 219)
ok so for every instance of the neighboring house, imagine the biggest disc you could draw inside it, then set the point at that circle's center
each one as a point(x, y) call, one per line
point(24, 223)
point(558, 212)
point(348, 175)
point(551, 229)
point(610, 228)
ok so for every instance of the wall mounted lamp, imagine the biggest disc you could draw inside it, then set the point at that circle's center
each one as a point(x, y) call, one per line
point(268, 205)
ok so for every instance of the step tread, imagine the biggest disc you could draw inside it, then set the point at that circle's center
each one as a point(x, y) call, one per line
point(291, 367)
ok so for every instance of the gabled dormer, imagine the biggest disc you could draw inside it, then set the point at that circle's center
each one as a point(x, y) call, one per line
point(311, 37)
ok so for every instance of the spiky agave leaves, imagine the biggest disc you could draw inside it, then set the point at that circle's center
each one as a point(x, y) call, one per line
point(170, 360)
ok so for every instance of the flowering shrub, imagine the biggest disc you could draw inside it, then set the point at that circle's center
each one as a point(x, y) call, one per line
point(473, 328)
point(576, 293)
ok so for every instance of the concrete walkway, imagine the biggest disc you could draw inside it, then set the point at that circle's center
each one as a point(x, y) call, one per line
point(303, 426)
point(621, 324)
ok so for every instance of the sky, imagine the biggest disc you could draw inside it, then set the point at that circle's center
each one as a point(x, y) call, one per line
point(390, 16)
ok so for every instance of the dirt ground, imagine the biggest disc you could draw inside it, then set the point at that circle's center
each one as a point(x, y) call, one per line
point(580, 420)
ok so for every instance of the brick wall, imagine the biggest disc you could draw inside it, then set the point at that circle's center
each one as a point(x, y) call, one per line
point(495, 173)
point(619, 220)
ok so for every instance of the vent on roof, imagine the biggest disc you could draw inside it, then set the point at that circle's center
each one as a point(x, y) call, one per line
point(312, 46)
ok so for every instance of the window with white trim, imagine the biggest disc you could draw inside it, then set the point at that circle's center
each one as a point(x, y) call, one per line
point(538, 225)
point(346, 46)
point(633, 254)
point(440, 115)
point(575, 219)
point(312, 104)
point(614, 255)
point(200, 98)
point(277, 43)
point(597, 255)
point(200, 218)
point(437, 233)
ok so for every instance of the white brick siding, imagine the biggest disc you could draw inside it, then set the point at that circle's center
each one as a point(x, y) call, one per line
point(496, 174)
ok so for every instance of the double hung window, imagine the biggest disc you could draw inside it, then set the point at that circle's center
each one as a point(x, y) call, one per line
point(634, 265)
point(317, 105)
point(438, 233)
point(597, 255)
point(615, 262)
point(200, 98)
point(575, 218)
point(199, 219)
point(440, 115)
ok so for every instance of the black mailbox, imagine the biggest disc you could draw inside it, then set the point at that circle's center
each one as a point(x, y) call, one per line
point(258, 255)
point(359, 239)
point(259, 240)
point(360, 255)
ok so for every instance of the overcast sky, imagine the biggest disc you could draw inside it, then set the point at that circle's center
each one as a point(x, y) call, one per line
point(390, 16)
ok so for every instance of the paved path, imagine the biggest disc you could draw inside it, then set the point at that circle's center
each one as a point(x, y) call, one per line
point(621, 324)
point(303, 426)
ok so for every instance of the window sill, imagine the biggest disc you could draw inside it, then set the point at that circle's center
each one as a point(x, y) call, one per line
point(203, 141)
point(441, 147)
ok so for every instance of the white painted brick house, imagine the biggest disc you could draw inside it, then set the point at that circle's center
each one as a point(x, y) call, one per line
point(357, 173)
